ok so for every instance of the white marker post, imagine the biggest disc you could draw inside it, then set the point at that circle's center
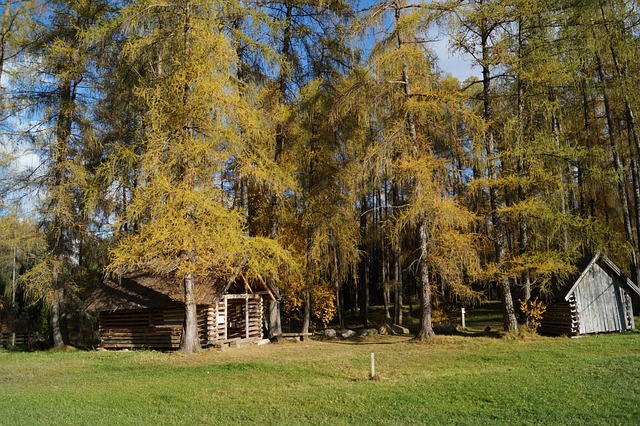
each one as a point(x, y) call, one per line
point(463, 324)
point(373, 365)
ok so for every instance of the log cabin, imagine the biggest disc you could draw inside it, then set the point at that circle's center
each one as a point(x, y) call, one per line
point(599, 300)
point(145, 311)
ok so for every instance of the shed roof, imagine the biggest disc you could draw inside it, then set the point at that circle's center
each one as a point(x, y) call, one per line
point(140, 290)
point(606, 263)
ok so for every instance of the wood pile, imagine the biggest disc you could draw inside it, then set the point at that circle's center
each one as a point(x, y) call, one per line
point(561, 319)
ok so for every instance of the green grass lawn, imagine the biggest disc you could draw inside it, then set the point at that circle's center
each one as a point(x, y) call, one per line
point(452, 380)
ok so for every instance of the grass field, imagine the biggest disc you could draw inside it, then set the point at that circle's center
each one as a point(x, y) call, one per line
point(452, 380)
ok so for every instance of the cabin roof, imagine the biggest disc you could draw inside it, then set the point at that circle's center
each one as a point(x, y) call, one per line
point(140, 290)
point(606, 263)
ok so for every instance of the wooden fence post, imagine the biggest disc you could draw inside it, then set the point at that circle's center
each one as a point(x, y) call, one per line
point(373, 365)
point(463, 322)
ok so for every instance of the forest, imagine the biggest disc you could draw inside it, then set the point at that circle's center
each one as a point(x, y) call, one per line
point(317, 145)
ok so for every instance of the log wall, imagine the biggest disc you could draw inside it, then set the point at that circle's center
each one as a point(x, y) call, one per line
point(244, 317)
point(561, 318)
point(18, 339)
point(232, 318)
point(142, 329)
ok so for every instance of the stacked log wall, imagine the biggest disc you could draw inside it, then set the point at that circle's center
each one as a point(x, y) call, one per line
point(161, 328)
point(19, 339)
point(561, 319)
point(141, 329)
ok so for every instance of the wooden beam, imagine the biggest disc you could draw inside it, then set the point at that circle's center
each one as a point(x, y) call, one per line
point(246, 316)
point(242, 296)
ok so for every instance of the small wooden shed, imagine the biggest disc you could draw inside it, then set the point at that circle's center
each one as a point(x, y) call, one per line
point(145, 311)
point(599, 300)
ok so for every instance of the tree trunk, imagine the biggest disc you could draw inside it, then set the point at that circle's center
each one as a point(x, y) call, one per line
point(397, 279)
point(273, 315)
point(497, 226)
point(386, 296)
point(635, 174)
point(340, 303)
point(526, 278)
point(4, 31)
point(555, 128)
point(364, 265)
point(426, 327)
point(57, 334)
point(190, 341)
point(306, 314)
point(386, 291)
point(509, 314)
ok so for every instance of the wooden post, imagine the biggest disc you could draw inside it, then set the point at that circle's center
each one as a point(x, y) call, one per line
point(226, 318)
point(246, 315)
point(373, 365)
point(463, 323)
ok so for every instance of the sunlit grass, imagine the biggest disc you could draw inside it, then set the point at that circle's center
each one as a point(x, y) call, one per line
point(452, 380)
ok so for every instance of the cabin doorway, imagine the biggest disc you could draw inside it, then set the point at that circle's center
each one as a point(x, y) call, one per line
point(240, 317)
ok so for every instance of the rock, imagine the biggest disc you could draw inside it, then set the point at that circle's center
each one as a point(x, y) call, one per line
point(398, 329)
point(330, 333)
point(367, 332)
point(346, 334)
point(263, 342)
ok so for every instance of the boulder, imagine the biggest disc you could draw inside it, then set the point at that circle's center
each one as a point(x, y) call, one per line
point(346, 334)
point(330, 333)
point(367, 332)
point(398, 329)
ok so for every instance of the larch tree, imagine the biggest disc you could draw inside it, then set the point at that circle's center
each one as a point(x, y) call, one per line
point(536, 153)
point(478, 26)
point(327, 227)
point(196, 126)
point(615, 46)
point(310, 57)
point(52, 79)
point(417, 121)
point(20, 241)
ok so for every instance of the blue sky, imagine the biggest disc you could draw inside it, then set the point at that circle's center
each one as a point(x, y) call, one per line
point(453, 63)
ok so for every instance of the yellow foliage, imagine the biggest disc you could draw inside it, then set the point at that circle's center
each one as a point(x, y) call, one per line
point(533, 310)
point(200, 126)
point(324, 303)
